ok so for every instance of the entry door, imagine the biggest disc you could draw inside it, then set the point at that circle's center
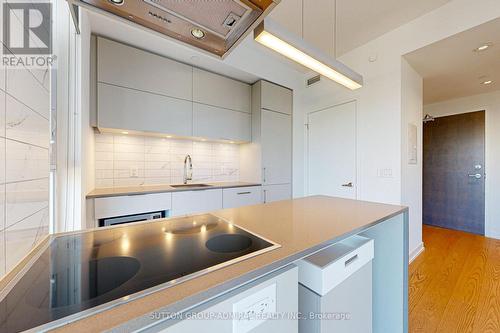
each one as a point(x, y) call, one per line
point(454, 153)
point(332, 151)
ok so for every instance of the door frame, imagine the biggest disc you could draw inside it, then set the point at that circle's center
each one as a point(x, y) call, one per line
point(487, 228)
point(356, 160)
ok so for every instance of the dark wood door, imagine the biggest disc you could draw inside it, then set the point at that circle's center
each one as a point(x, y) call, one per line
point(453, 180)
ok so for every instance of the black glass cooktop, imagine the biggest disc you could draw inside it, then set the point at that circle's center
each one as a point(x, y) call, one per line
point(87, 270)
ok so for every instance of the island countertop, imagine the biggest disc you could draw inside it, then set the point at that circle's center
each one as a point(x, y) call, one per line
point(301, 226)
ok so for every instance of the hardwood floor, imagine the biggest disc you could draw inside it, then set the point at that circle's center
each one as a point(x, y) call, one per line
point(455, 283)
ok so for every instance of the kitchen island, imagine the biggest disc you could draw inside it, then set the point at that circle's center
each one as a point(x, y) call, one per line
point(300, 227)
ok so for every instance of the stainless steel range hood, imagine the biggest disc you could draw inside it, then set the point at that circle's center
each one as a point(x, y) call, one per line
point(215, 26)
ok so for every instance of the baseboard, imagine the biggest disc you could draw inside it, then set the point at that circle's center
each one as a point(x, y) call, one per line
point(416, 252)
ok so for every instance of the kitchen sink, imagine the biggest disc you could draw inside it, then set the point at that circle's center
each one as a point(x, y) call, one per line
point(190, 185)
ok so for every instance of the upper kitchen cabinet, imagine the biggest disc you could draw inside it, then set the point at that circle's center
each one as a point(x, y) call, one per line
point(288, 14)
point(319, 25)
point(217, 90)
point(275, 98)
point(312, 20)
point(129, 109)
point(129, 67)
point(221, 124)
point(139, 91)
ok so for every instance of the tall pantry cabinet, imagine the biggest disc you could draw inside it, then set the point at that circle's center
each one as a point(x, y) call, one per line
point(271, 147)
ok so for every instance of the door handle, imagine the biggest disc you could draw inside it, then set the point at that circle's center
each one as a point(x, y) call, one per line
point(476, 175)
point(350, 184)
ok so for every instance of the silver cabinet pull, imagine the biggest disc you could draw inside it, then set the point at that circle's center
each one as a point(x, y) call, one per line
point(263, 175)
point(350, 184)
point(476, 175)
point(351, 260)
point(241, 193)
point(265, 196)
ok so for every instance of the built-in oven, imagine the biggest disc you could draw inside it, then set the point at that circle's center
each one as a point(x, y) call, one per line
point(106, 222)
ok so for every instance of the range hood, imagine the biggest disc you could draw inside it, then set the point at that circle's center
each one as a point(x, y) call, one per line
point(215, 26)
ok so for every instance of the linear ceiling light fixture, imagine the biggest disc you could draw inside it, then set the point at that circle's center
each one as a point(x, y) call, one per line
point(273, 36)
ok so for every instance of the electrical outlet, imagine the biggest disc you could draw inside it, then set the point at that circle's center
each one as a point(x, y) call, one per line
point(384, 173)
point(134, 172)
point(254, 310)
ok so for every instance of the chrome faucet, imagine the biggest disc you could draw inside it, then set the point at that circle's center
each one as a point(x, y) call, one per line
point(188, 171)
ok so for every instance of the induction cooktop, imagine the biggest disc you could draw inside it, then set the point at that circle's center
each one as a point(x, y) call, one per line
point(90, 271)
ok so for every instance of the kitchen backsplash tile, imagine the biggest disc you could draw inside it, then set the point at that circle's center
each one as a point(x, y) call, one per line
point(128, 160)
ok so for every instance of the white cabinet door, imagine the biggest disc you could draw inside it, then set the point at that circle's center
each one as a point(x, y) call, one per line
point(123, 108)
point(288, 14)
point(276, 98)
point(276, 136)
point(218, 90)
point(221, 124)
point(277, 192)
point(241, 196)
point(192, 202)
point(130, 67)
point(319, 24)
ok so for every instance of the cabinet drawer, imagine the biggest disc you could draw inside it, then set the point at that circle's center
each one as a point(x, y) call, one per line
point(221, 124)
point(133, 204)
point(192, 202)
point(326, 269)
point(241, 196)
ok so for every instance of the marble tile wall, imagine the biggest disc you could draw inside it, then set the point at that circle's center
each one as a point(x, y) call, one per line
point(126, 160)
point(24, 162)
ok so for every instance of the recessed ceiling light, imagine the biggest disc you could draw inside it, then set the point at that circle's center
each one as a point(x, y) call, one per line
point(117, 2)
point(487, 82)
point(198, 33)
point(169, 136)
point(125, 133)
point(483, 47)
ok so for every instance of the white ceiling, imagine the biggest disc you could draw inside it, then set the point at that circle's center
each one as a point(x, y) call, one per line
point(360, 21)
point(451, 69)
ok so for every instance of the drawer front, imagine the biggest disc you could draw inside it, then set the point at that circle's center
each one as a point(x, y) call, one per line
point(242, 196)
point(134, 204)
point(192, 202)
point(337, 272)
point(323, 277)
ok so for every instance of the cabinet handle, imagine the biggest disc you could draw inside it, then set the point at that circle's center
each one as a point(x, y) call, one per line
point(241, 193)
point(265, 196)
point(351, 260)
point(263, 175)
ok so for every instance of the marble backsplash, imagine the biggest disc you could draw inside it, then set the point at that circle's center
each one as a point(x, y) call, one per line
point(24, 162)
point(129, 160)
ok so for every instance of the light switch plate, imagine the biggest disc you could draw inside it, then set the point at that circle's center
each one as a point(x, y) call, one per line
point(254, 310)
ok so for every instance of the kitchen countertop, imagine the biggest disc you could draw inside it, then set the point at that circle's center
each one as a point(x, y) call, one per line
point(301, 226)
point(148, 189)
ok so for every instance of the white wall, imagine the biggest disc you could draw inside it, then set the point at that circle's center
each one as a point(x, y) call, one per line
point(411, 174)
point(380, 100)
point(491, 104)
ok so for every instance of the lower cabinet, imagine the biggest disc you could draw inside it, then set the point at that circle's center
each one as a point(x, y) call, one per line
point(241, 196)
point(277, 192)
point(192, 202)
point(274, 297)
